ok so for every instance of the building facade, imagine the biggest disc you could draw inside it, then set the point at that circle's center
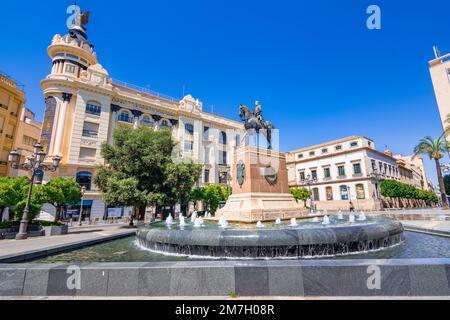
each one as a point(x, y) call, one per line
point(440, 76)
point(342, 171)
point(28, 134)
point(84, 105)
point(12, 99)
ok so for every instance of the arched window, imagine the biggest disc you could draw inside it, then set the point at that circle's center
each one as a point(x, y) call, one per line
point(84, 179)
point(360, 193)
point(223, 137)
point(147, 121)
point(238, 140)
point(329, 192)
point(344, 193)
point(93, 108)
point(124, 116)
point(189, 129)
point(165, 123)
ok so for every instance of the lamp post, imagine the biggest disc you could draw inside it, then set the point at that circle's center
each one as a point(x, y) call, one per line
point(34, 164)
point(377, 176)
point(310, 180)
point(83, 191)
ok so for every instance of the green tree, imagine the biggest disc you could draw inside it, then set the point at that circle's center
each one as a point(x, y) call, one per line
point(211, 195)
point(139, 170)
point(12, 191)
point(59, 192)
point(302, 194)
point(435, 148)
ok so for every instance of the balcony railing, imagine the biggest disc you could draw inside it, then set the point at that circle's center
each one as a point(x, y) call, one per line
point(357, 175)
point(342, 177)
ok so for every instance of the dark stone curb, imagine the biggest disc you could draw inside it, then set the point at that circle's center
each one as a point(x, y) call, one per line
point(405, 277)
point(42, 253)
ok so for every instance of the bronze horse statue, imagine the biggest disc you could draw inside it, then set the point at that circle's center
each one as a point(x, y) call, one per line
point(254, 121)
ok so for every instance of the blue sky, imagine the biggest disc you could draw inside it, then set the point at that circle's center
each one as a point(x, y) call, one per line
point(319, 73)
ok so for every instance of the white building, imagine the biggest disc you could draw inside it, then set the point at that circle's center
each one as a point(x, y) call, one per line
point(84, 105)
point(341, 171)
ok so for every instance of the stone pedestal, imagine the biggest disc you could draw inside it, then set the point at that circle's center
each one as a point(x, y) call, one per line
point(260, 188)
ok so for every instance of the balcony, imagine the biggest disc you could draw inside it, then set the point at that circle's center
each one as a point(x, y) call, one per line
point(342, 177)
point(357, 175)
point(327, 179)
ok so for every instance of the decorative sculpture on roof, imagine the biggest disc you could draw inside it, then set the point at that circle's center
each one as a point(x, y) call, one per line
point(254, 122)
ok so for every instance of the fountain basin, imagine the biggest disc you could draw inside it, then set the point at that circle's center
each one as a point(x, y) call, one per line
point(305, 240)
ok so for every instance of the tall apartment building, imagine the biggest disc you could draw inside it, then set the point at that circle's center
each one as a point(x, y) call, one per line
point(12, 99)
point(28, 134)
point(440, 76)
point(349, 169)
point(84, 105)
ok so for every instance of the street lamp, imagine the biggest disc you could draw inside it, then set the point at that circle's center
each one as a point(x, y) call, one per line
point(377, 176)
point(309, 181)
point(83, 191)
point(32, 163)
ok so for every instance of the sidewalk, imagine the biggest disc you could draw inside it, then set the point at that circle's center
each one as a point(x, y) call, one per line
point(78, 237)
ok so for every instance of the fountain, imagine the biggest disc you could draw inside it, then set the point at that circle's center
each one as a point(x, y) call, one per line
point(261, 196)
point(182, 221)
point(193, 216)
point(259, 224)
point(223, 223)
point(351, 218)
point(340, 215)
point(362, 217)
point(293, 223)
point(169, 220)
point(198, 223)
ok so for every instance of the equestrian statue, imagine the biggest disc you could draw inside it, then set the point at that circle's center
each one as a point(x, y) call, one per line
point(254, 122)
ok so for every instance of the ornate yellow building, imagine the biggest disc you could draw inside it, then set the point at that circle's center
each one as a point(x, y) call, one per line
point(84, 105)
point(12, 99)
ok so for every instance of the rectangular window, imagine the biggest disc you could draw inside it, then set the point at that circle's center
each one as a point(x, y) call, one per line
point(325, 150)
point(314, 174)
point(70, 68)
point(316, 194)
point(223, 177)
point(90, 130)
point(354, 144)
point(87, 154)
point(312, 153)
point(300, 156)
point(206, 175)
point(238, 140)
point(341, 171)
point(222, 157)
point(327, 173)
point(188, 146)
point(374, 165)
point(338, 148)
point(302, 176)
point(357, 168)
point(29, 141)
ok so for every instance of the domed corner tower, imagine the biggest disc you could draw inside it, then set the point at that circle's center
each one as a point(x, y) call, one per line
point(77, 101)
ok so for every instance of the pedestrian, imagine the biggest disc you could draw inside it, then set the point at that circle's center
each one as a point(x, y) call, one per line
point(352, 208)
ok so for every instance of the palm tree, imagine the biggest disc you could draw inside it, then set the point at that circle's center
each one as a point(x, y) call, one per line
point(435, 149)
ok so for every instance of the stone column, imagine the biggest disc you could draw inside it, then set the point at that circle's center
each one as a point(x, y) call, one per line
point(112, 121)
point(66, 97)
point(137, 116)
